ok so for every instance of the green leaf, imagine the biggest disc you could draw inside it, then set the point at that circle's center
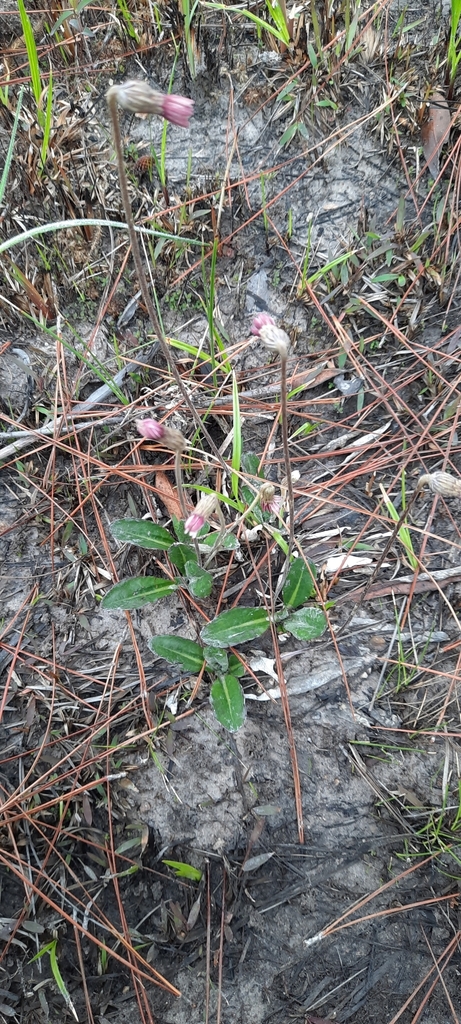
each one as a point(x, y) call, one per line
point(216, 659)
point(307, 624)
point(143, 533)
point(200, 581)
point(299, 584)
point(248, 496)
point(228, 702)
point(137, 592)
point(288, 135)
point(228, 542)
point(235, 666)
point(183, 870)
point(179, 554)
point(235, 626)
point(251, 465)
point(179, 651)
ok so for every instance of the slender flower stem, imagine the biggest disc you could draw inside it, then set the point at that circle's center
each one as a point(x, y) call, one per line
point(277, 340)
point(137, 259)
point(286, 452)
point(218, 541)
point(179, 484)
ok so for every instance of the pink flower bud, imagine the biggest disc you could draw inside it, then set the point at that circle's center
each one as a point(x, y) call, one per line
point(177, 109)
point(151, 429)
point(268, 500)
point(140, 98)
point(272, 337)
point(203, 511)
point(194, 524)
point(261, 320)
point(155, 431)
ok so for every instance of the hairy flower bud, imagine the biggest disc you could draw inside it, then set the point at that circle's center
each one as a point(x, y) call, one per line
point(152, 430)
point(261, 320)
point(441, 483)
point(272, 336)
point(140, 98)
point(268, 500)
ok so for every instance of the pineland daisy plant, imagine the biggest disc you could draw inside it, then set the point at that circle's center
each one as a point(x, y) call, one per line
point(139, 98)
point(173, 439)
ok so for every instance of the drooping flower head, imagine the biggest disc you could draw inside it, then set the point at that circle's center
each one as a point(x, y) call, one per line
point(269, 501)
point(140, 98)
point(272, 336)
point(442, 483)
point(152, 430)
point(177, 109)
point(203, 510)
point(261, 320)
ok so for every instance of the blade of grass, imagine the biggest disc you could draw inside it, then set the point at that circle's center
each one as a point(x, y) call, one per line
point(236, 439)
point(47, 125)
point(79, 222)
point(9, 155)
point(403, 533)
point(32, 55)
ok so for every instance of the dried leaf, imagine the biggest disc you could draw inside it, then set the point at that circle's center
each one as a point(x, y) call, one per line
point(169, 495)
point(435, 130)
point(86, 808)
point(194, 913)
point(33, 295)
point(343, 562)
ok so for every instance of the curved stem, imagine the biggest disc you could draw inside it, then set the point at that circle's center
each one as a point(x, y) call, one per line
point(286, 454)
point(137, 259)
point(179, 483)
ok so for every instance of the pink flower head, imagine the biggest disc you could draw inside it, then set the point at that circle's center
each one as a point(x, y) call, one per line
point(155, 431)
point(140, 98)
point(203, 511)
point(259, 321)
point(272, 336)
point(151, 429)
point(269, 501)
point(194, 524)
point(177, 109)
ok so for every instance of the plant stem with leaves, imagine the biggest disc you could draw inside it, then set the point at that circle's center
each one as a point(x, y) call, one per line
point(138, 97)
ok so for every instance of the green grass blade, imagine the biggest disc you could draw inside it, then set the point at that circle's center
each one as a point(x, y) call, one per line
point(64, 225)
point(32, 55)
point(404, 533)
point(261, 24)
point(236, 439)
point(9, 155)
point(47, 126)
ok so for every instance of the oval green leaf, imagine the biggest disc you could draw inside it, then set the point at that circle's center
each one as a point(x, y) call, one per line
point(307, 624)
point(179, 554)
point(135, 593)
point(143, 533)
point(299, 585)
point(200, 581)
point(235, 626)
point(228, 703)
point(179, 651)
